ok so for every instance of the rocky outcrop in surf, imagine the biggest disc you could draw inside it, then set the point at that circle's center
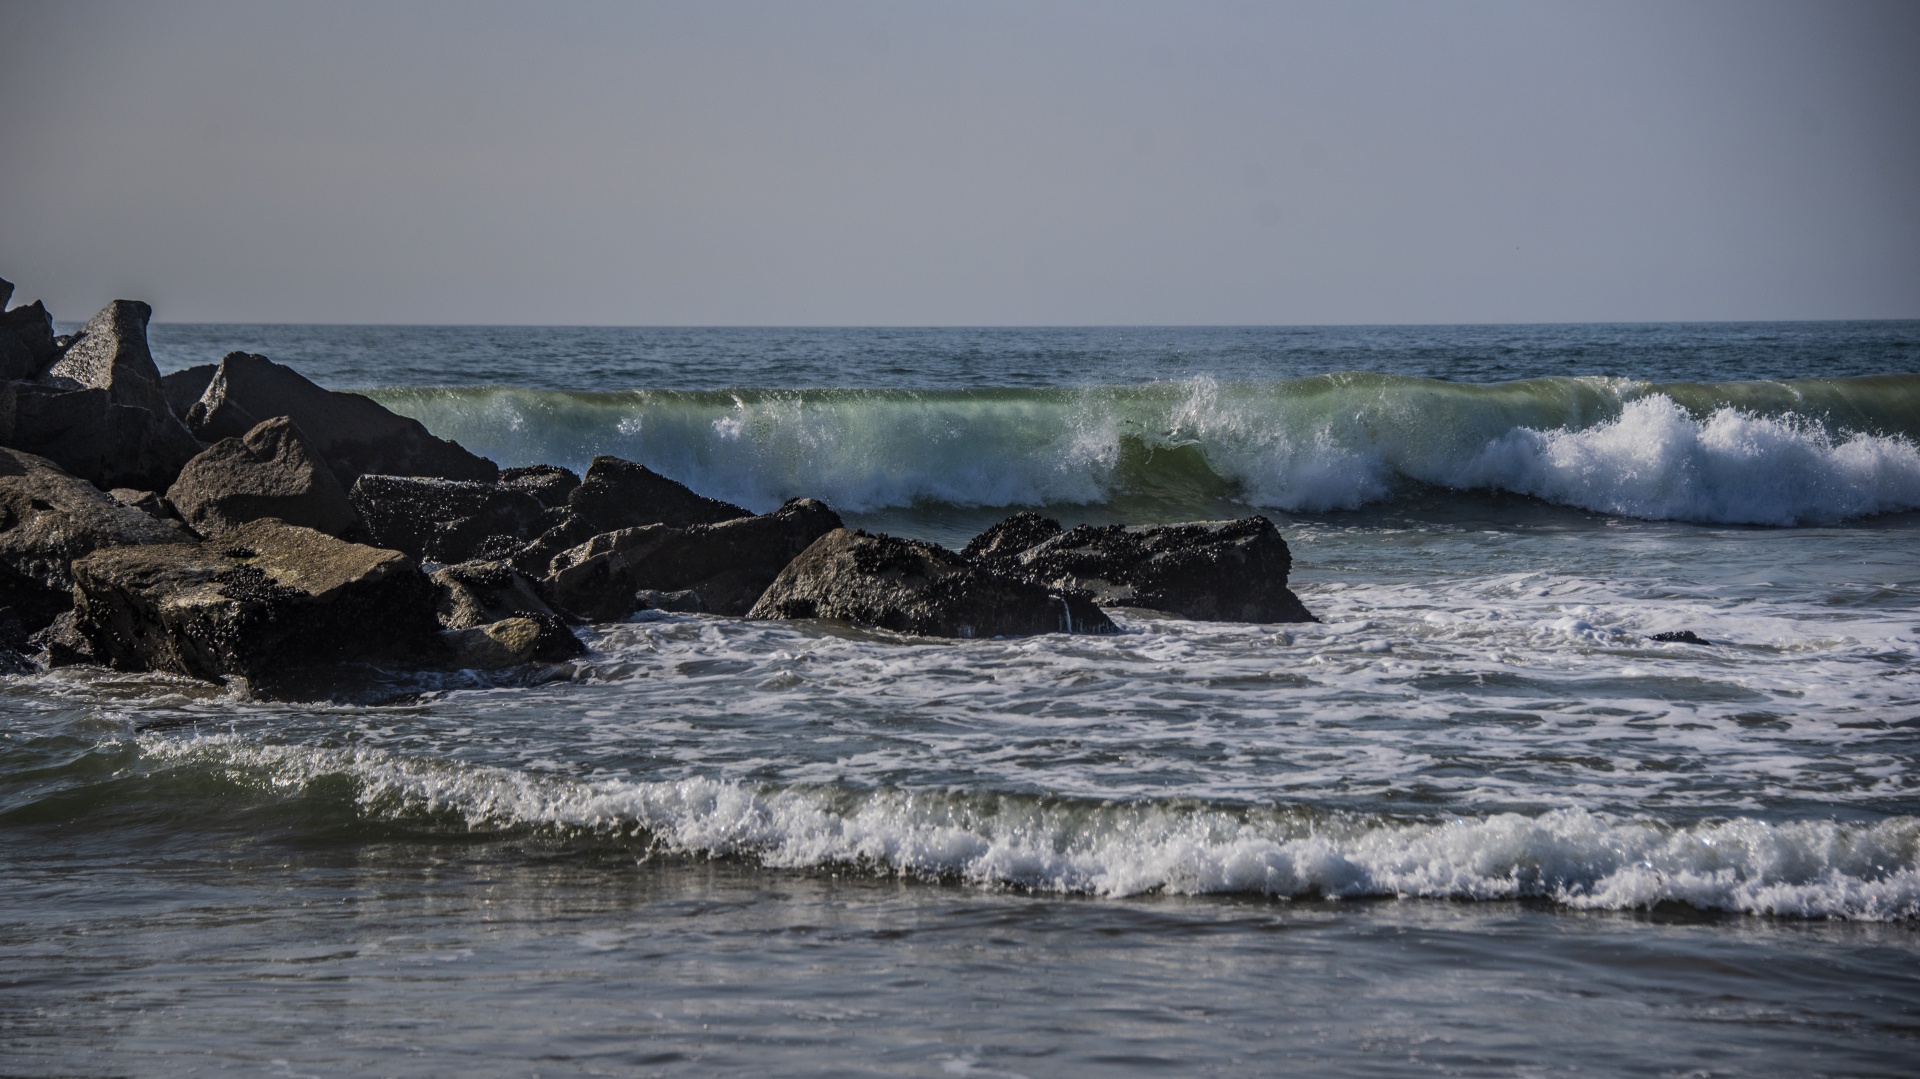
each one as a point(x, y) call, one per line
point(448, 521)
point(301, 527)
point(476, 593)
point(1216, 571)
point(495, 618)
point(726, 565)
point(919, 588)
point(264, 598)
point(512, 642)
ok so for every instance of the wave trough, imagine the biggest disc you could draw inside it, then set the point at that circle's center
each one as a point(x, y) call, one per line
point(1772, 453)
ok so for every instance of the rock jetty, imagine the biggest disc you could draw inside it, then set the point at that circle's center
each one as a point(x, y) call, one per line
point(235, 520)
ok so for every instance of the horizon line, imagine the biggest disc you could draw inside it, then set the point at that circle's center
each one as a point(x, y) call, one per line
point(1008, 325)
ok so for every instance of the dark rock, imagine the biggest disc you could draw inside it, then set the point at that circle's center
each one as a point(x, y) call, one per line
point(354, 433)
point(27, 344)
point(617, 495)
point(551, 484)
point(728, 565)
point(1680, 636)
point(477, 593)
point(535, 557)
point(446, 520)
point(622, 494)
point(49, 518)
point(684, 601)
point(271, 471)
point(1011, 536)
point(99, 411)
point(264, 597)
point(15, 362)
point(61, 644)
point(146, 502)
point(1222, 571)
point(83, 432)
point(6, 293)
point(511, 642)
point(17, 644)
point(185, 388)
point(913, 587)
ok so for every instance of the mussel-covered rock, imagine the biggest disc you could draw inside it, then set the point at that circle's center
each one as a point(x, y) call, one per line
point(264, 597)
point(271, 471)
point(447, 521)
point(727, 565)
point(1223, 571)
point(914, 587)
point(551, 485)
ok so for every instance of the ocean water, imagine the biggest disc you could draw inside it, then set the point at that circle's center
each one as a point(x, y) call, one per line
point(1474, 821)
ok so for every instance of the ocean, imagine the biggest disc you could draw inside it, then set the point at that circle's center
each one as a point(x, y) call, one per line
point(1476, 820)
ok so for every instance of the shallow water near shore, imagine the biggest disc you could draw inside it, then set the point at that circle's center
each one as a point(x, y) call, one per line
point(1475, 820)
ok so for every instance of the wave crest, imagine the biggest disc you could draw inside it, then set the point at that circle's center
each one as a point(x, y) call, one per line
point(1736, 453)
point(1866, 871)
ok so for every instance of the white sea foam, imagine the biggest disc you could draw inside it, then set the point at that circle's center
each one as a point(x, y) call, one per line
point(1657, 461)
point(1335, 442)
point(1583, 859)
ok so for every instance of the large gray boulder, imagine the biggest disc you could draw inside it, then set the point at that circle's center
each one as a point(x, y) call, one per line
point(447, 520)
point(1222, 571)
point(355, 434)
point(913, 587)
point(264, 598)
point(271, 471)
point(99, 410)
point(49, 518)
point(727, 564)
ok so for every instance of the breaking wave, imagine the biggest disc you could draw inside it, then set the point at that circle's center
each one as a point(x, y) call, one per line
point(1774, 453)
point(1582, 859)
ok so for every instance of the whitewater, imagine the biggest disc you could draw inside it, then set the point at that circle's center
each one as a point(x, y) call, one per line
point(1776, 453)
point(1479, 818)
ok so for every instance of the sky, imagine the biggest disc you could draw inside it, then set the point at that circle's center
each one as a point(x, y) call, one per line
point(978, 163)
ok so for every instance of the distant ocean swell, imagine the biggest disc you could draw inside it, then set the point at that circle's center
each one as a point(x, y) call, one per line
point(1774, 453)
point(1862, 871)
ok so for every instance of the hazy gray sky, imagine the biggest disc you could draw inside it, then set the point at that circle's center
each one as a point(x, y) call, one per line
point(963, 163)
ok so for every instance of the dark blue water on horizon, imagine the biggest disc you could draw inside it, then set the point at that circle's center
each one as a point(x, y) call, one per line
point(597, 358)
point(1475, 820)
